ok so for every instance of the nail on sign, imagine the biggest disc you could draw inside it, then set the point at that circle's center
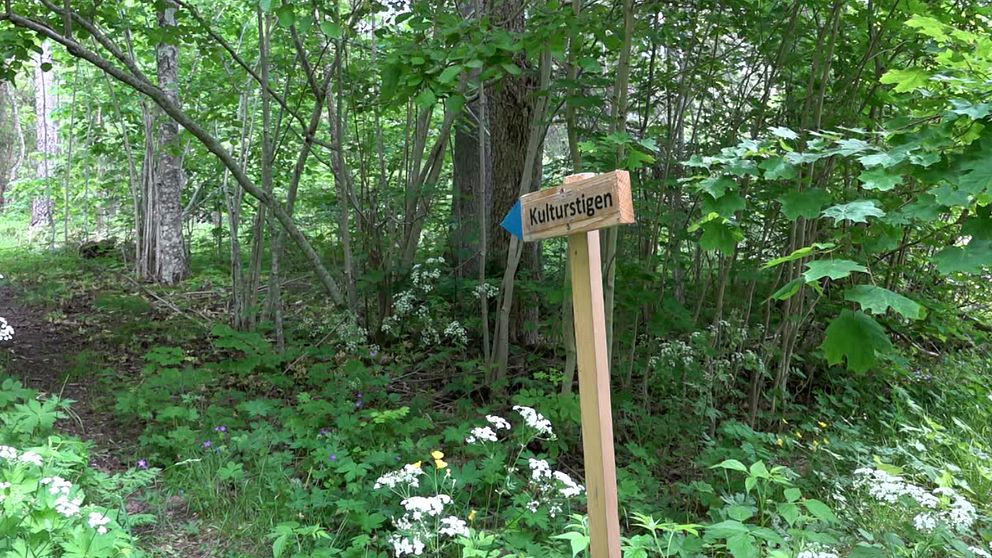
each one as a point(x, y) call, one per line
point(594, 202)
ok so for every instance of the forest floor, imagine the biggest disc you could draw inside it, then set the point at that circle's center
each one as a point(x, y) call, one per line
point(52, 354)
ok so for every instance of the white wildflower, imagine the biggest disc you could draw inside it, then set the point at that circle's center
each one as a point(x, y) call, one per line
point(481, 434)
point(7, 452)
point(418, 506)
point(98, 521)
point(58, 485)
point(407, 476)
point(456, 332)
point(68, 507)
point(6, 332)
point(533, 505)
point(540, 470)
point(406, 545)
point(499, 423)
point(816, 550)
point(535, 420)
point(569, 487)
point(452, 526)
point(925, 522)
point(31, 457)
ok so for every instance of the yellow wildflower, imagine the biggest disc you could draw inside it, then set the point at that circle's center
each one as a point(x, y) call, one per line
point(418, 464)
point(471, 516)
point(437, 455)
point(779, 441)
point(822, 424)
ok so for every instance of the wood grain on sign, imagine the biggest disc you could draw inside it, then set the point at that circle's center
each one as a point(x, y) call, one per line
point(588, 203)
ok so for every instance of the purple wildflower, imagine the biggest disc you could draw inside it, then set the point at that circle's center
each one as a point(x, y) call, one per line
point(142, 464)
point(207, 444)
point(221, 428)
point(333, 457)
point(326, 431)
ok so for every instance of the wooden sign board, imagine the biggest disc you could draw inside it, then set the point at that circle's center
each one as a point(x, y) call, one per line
point(578, 208)
point(586, 203)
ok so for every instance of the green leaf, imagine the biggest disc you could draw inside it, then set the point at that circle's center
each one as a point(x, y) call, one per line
point(286, 16)
point(970, 258)
point(820, 510)
point(906, 80)
point(731, 464)
point(331, 29)
point(789, 289)
point(789, 512)
point(783, 133)
point(863, 550)
point(856, 338)
point(976, 112)
point(855, 212)
point(265, 5)
point(742, 546)
point(792, 494)
point(776, 168)
point(578, 542)
point(46, 66)
point(878, 179)
point(800, 253)
point(511, 69)
point(977, 177)
point(450, 73)
point(720, 236)
point(426, 98)
point(717, 186)
point(834, 269)
point(878, 300)
point(807, 203)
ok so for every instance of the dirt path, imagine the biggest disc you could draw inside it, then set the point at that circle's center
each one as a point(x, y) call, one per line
point(42, 357)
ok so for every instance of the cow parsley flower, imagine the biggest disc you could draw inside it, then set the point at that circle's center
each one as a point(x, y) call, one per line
point(98, 521)
point(6, 332)
point(406, 545)
point(535, 420)
point(68, 507)
point(569, 487)
point(817, 551)
point(7, 452)
point(418, 506)
point(499, 423)
point(925, 522)
point(32, 458)
point(481, 434)
point(452, 526)
point(407, 476)
point(57, 485)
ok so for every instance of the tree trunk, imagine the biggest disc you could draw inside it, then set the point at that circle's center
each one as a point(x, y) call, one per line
point(47, 137)
point(170, 250)
point(510, 109)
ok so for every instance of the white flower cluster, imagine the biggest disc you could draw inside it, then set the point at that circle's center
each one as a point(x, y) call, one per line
point(674, 353)
point(408, 476)
point(424, 279)
point(486, 290)
point(424, 520)
point(536, 421)
point(943, 504)
point(456, 332)
point(99, 522)
point(488, 433)
point(816, 550)
point(550, 484)
point(57, 485)
point(6, 332)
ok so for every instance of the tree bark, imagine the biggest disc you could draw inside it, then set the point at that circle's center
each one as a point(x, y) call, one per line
point(171, 265)
point(47, 138)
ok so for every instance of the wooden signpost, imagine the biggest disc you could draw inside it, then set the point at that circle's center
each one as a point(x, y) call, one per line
point(580, 207)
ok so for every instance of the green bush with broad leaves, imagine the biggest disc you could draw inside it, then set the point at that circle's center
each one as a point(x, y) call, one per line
point(52, 502)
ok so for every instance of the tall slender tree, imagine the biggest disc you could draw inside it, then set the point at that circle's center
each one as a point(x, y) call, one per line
point(47, 139)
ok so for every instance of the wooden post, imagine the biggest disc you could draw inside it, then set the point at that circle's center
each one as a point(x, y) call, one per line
point(579, 208)
point(594, 394)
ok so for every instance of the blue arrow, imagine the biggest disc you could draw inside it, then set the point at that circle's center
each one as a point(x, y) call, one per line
point(514, 221)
